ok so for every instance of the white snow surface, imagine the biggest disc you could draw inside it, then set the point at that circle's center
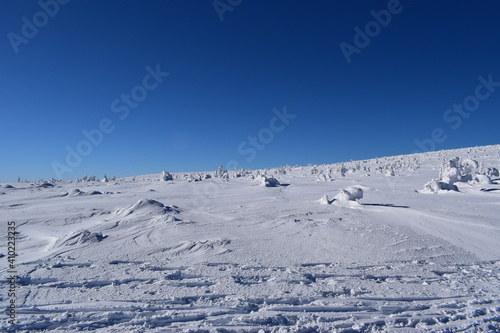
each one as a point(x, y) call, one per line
point(140, 254)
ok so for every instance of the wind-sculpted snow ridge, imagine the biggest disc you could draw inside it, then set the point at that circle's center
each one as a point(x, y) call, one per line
point(197, 246)
point(213, 251)
point(79, 237)
point(77, 192)
point(147, 206)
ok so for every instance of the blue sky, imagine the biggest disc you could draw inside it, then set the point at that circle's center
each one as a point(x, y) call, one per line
point(227, 76)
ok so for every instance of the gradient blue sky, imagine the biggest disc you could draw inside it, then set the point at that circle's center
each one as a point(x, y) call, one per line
point(227, 76)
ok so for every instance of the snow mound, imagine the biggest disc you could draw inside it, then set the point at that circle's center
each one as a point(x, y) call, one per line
point(492, 172)
point(267, 181)
point(7, 186)
point(45, 185)
point(347, 196)
point(324, 200)
point(435, 186)
point(351, 193)
point(94, 193)
point(482, 179)
point(76, 192)
point(147, 206)
point(79, 237)
point(189, 247)
point(166, 176)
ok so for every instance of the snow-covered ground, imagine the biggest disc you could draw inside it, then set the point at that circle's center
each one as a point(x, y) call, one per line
point(276, 250)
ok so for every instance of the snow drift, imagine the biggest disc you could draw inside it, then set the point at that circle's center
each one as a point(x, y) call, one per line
point(147, 206)
point(79, 237)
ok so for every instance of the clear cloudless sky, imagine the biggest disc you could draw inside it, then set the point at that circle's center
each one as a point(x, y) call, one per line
point(227, 76)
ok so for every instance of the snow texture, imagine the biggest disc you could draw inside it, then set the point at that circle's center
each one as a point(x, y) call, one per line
point(215, 252)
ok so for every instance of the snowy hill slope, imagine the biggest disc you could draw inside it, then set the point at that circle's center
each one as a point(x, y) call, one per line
point(242, 251)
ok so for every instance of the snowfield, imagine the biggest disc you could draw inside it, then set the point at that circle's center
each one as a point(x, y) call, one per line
point(397, 244)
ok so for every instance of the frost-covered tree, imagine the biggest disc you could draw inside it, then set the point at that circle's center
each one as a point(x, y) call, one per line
point(165, 176)
point(452, 171)
point(220, 172)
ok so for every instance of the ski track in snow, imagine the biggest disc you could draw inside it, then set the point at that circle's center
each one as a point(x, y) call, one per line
point(144, 255)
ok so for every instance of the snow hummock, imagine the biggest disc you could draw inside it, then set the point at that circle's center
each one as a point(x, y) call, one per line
point(345, 197)
point(267, 181)
point(76, 192)
point(348, 195)
point(147, 206)
point(436, 186)
point(45, 185)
